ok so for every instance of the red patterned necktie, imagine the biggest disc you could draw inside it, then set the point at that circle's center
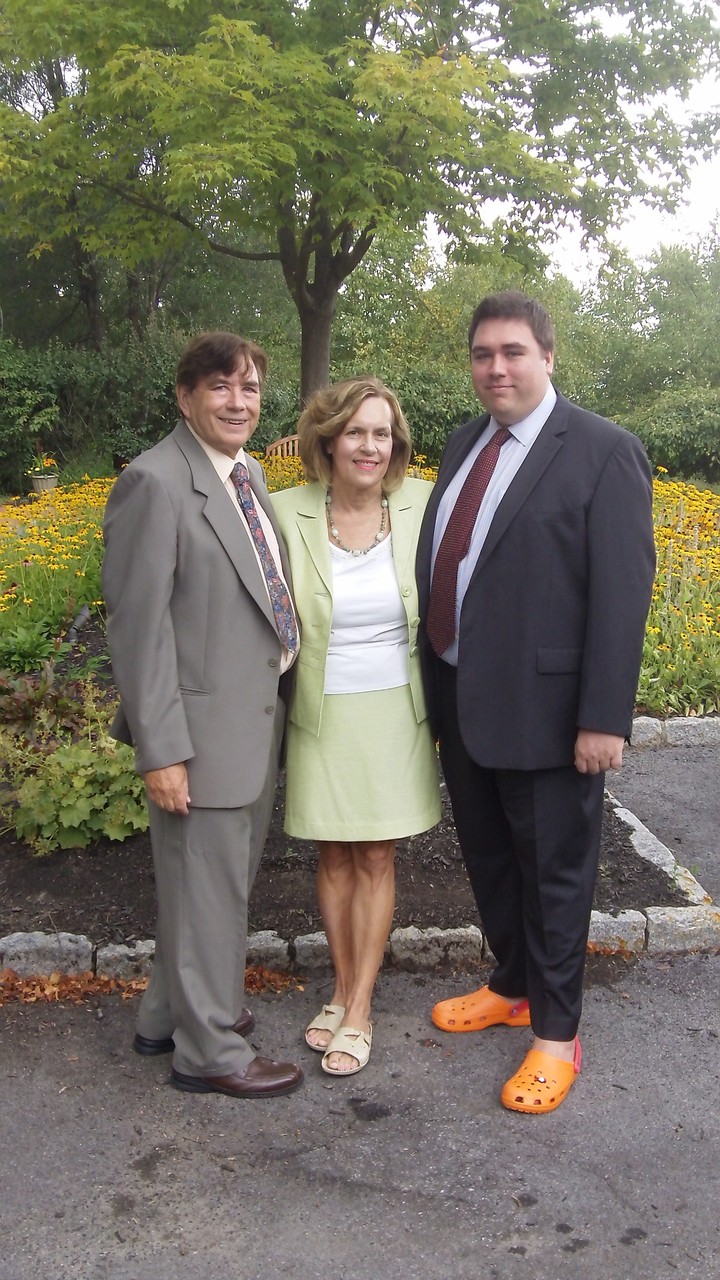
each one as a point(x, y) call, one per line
point(278, 592)
point(455, 544)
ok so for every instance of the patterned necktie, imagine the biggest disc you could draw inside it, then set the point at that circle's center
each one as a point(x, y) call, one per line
point(278, 592)
point(455, 544)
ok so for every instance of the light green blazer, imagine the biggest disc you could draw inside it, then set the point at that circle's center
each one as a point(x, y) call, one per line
point(301, 516)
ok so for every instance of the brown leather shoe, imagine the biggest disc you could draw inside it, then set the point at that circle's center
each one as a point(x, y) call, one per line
point(262, 1078)
point(153, 1048)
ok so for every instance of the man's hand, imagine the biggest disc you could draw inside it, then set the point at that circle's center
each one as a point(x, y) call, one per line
point(168, 788)
point(596, 752)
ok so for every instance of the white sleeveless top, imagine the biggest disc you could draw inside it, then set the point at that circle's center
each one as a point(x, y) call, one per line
point(369, 646)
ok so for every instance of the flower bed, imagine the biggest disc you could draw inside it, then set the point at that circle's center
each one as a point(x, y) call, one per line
point(51, 551)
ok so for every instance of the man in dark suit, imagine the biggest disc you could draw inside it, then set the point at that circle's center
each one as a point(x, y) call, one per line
point(533, 607)
point(201, 628)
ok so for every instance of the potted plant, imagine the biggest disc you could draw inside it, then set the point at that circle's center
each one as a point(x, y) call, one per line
point(43, 473)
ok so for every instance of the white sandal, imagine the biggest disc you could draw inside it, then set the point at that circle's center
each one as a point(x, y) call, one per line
point(328, 1019)
point(353, 1042)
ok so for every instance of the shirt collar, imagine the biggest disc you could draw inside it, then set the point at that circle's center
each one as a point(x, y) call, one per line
point(528, 429)
point(222, 464)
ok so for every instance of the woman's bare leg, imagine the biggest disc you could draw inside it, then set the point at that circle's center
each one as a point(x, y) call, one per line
point(370, 919)
point(335, 892)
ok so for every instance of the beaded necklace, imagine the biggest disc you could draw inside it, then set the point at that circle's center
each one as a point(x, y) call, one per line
point(336, 536)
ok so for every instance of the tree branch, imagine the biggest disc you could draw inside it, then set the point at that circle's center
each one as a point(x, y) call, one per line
point(174, 215)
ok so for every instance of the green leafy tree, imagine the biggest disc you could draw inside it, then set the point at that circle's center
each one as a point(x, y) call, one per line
point(295, 132)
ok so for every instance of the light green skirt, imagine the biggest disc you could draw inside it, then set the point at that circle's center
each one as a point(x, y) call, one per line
point(372, 774)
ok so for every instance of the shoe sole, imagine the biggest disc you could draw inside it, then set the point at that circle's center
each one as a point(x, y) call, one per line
point(185, 1085)
point(465, 1020)
point(154, 1050)
point(481, 1026)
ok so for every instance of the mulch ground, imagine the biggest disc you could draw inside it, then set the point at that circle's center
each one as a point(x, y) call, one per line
point(107, 892)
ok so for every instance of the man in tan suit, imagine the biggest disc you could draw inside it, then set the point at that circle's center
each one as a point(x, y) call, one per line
point(201, 630)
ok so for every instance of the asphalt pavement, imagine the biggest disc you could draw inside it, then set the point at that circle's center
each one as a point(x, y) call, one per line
point(410, 1170)
point(675, 791)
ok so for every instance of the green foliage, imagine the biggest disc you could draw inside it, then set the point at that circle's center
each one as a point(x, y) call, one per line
point(681, 430)
point(117, 401)
point(295, 134)
point(435, 401)
point(66, 782)
point(107, 405)
point(26, 646)
point(42, 703)
point(78, 793)
point(67, 400)
point(280, 409)
point(29, 411)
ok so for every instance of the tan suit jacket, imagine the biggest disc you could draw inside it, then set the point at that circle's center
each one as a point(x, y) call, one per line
point(195, 652)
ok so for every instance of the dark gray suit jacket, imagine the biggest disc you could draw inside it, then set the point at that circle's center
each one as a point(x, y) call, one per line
point(552, 625)
point(195, 652)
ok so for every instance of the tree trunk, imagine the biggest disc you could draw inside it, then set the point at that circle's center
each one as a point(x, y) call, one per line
point(316, 330)
point(136, 308)
point(335, 252)
point(88, 282)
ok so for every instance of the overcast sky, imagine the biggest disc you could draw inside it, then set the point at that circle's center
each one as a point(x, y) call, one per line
point(646, 230)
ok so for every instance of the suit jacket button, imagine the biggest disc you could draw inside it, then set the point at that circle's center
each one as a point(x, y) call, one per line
point(269, 711)
point(272, 662)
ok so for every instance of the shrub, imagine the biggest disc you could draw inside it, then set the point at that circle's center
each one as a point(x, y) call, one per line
point(26, 646)
point(78, 793)
point(41, 703)
point(435, 401)
point(65, 793)
point(29, 412)
point(681, 431)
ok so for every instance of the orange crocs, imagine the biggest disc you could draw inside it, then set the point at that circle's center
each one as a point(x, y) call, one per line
point(542, 1082)
point(478, 1010)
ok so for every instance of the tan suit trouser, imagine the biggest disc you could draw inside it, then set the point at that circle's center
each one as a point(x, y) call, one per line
point(205, 866)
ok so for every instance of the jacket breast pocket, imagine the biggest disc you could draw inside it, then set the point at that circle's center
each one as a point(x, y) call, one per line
point(556, 661)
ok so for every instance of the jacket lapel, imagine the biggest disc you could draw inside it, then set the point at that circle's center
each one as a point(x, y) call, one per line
point(311, 522)
point(223, 518)
point(403, 525)
point(548, 443)
point(456, 450)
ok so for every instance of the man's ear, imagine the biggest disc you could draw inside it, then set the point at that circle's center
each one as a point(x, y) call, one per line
point(181, 397)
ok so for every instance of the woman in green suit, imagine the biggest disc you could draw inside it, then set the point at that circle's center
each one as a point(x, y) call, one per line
point(361, 763)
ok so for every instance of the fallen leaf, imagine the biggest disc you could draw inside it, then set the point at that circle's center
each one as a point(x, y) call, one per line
point(76, 988)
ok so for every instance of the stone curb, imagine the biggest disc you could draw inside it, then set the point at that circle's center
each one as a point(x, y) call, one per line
point(681, 731)
point(651, 931)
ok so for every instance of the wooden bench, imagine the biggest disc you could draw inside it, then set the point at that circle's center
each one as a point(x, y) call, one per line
point(286, 447)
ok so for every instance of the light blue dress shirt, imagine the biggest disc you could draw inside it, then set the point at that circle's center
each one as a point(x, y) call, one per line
point(512, 455)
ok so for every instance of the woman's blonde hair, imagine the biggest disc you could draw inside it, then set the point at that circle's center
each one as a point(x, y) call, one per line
point(328, 412)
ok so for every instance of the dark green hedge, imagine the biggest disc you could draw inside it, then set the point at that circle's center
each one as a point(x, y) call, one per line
point(77, 404)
